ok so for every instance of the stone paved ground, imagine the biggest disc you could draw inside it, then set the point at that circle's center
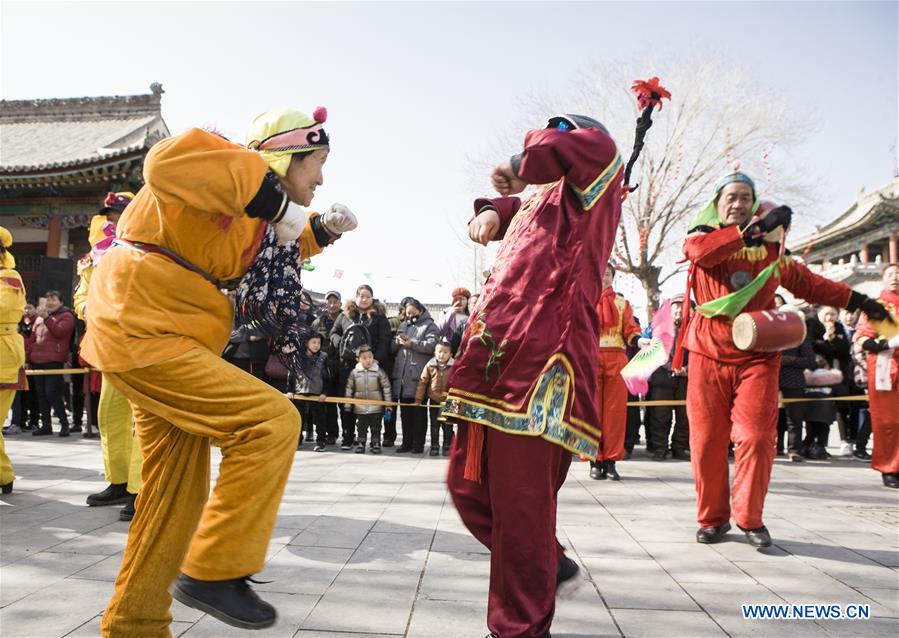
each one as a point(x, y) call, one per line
point(369, 546)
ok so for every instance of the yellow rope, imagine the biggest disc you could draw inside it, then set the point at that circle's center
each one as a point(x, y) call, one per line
point(393, 404)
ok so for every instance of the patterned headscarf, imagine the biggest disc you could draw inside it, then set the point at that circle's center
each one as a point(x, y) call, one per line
point(281, 133)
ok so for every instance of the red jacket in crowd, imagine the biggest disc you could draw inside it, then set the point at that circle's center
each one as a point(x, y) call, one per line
point(51, 338)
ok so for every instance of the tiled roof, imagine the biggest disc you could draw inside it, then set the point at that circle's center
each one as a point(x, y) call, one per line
point(871, 212)
point(37, 136)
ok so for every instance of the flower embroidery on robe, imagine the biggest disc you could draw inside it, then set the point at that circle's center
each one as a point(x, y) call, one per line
point(480, 331)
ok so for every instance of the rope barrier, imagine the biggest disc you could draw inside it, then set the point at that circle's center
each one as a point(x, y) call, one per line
point(393, 404)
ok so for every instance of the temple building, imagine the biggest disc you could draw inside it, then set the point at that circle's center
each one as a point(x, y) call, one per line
point(855, 246)
point(59, 158)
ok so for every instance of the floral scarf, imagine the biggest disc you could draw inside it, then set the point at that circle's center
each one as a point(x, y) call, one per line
point(269, 297)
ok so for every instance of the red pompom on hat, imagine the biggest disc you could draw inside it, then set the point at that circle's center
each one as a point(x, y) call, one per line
point(320, 114)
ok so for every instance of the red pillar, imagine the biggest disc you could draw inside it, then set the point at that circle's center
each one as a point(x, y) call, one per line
point(894, 249)
point(864, 252)
point(53, 236)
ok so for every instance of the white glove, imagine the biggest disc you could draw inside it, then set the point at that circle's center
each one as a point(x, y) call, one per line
point(894, 342)
point(642, 342)
point(339, 219)
point(289, 227)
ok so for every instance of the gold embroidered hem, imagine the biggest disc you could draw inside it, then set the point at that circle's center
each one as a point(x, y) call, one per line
point(544, 416)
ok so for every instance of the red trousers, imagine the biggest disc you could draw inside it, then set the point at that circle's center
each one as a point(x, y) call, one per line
point(512, 511)
point(884, 406)
point(612, 395)
point(739, 403)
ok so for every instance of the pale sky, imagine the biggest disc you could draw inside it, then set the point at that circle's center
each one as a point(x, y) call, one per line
point(415, 91)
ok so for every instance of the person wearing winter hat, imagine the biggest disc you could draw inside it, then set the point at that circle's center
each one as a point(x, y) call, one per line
point(12, 345)
point(121, 448)
point(212, 215)
point(451, 320)
point(737, 261)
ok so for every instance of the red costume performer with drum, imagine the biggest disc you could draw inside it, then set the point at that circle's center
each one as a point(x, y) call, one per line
point(881, 341)
point(736, 266)
point(523, 388)
point(617, 329)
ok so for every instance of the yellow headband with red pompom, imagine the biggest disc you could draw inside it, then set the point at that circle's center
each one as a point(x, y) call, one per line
point(281, 133)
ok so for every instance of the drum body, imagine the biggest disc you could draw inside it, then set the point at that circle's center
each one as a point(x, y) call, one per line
point(768, 330)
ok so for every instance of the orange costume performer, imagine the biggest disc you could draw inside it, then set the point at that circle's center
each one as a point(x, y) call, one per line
point(731, 393)
point(617, 330)
point(881, 342)
point(121, 449)
point(12, 346)
point(157, 325)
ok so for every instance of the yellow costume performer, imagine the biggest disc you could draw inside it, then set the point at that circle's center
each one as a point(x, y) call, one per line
point(157, 323)
point(121, 449)
point(12, 346)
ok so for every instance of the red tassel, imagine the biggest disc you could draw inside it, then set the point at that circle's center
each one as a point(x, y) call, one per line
point(474, 452)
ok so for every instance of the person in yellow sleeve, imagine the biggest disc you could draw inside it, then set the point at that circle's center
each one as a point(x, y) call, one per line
point(121, 449)
point(211, 214)
point(12, 346)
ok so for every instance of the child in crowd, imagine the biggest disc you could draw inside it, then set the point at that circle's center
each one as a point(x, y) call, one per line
point(313, 385)
point(368, 381)
point(432, 386)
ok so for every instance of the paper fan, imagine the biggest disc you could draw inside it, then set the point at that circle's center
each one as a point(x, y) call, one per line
point(653, 356)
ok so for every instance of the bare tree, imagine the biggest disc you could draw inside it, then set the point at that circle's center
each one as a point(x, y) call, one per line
point(716, 116)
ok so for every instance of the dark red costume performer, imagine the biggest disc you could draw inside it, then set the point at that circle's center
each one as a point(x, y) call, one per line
point(732, 395)
point(523, 388)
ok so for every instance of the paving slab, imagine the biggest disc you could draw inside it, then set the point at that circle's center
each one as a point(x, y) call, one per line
point(368, 546)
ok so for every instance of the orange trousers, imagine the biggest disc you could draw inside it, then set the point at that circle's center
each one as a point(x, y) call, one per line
point(612, 395)
point(179, 408)
point(884, 406)
point(736, 403)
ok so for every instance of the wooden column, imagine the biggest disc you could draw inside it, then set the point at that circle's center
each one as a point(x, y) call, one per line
point(864, 252)
point(894, 249)
point(53, 236)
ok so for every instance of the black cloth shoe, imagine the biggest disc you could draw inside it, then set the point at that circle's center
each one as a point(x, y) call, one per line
point(709, 535)
point(114, 494)
point(659, 455)
point(42, 432)
point(319, 447)
point(331, 440)
point(681, 455)
point(231, 601)
point(597, 470)
point(346, 446)
point(567, 577)
point(758, 537)
point(445, 451)
point(360, 448)
point(64, 431)
point(434, 451)
point(127, 512)
point(75, 429)
point(387, 442)
point(891, 480)
point(610, 470)
point(376, 449)
point(403, 449)
point(6, 488)
point(861, 455)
